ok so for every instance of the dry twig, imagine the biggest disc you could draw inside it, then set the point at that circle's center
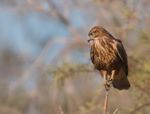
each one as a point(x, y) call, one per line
point(115, 111)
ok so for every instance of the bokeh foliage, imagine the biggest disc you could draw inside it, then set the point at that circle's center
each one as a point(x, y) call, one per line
point(58, 78)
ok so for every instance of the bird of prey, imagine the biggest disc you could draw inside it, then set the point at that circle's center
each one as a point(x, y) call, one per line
point(109, 57)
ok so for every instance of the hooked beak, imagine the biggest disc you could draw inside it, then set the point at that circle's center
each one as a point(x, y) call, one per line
point(90, 39)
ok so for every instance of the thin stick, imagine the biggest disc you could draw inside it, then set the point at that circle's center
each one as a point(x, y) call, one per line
point(115, 111)
point(105, 103)
point(60, 109)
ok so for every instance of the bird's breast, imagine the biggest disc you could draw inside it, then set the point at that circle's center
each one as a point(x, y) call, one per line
point(104, 55)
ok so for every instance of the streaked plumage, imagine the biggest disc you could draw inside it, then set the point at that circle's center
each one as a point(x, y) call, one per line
point(109, 57)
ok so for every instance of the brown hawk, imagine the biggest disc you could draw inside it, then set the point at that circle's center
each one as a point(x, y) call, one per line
point(109, 57)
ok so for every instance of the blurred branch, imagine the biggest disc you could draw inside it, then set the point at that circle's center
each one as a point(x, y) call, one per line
point(55, 11)
point(35, 65)
point(76, 40)
point(144, 90)
point(115, 111)
point(140, 107)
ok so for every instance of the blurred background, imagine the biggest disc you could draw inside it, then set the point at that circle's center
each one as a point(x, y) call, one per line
point(45, 65)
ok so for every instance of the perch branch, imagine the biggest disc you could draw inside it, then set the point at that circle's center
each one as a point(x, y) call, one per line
point(105, 103)
point(60, 109)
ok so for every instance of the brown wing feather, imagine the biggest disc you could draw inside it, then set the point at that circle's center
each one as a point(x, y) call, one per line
point(121, 81)
point(123, 56)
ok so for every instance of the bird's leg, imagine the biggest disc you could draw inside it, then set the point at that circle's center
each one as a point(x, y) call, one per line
point(113, 74)
point(104, 74)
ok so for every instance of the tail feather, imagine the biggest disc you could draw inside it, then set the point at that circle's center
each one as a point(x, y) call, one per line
point(120, 81)
point(121, 84)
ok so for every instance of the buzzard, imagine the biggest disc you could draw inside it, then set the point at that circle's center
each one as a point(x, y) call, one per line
point(109, 57)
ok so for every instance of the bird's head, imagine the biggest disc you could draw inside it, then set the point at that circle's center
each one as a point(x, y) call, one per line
point(96, 33)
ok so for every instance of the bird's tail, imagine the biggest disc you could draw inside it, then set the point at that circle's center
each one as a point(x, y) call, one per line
point(120, 81)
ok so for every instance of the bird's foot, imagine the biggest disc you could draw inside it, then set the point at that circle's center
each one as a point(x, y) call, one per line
point(107, 87)
point(108, 84)
point(110, 81)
